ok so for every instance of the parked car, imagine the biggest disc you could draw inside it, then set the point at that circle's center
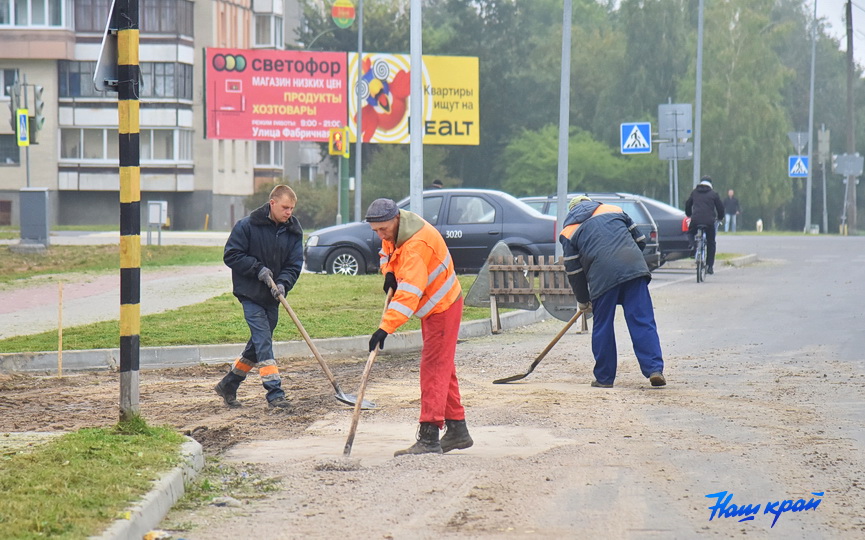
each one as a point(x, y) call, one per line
point(471, 221)
point(630, 204)
point(672, 229)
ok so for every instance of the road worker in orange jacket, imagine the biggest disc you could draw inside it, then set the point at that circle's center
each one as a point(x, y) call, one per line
point(418, 268)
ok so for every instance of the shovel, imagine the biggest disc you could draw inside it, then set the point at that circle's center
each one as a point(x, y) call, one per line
point(346, 451)
point(541, 356)
point(348, 399)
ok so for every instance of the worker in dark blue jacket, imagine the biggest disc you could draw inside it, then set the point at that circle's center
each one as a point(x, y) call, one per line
point(603, 256)
point(266, 245)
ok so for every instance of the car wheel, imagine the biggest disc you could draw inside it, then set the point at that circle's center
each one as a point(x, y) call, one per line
point(347, 261)
point(518, 252)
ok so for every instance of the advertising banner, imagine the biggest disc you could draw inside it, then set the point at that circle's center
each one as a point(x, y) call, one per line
point(451, 106)
point(269, 95)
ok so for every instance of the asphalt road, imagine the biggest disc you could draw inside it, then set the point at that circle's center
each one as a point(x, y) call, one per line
point(764, 404)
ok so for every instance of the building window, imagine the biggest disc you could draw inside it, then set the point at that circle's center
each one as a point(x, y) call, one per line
point(166, 17)
point(91, 15)
point(308, 172)
point(155, 16)
point(32, 13)
point(269, 154)
point(10, 154)
point(75, 79)
point(268, 31)
point(103, 144)
point(158, 79)
point(7, 78)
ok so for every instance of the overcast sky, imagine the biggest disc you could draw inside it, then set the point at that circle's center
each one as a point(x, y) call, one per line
point(833, 12)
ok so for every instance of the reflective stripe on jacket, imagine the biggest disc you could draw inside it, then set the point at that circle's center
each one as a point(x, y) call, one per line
point(426, 280)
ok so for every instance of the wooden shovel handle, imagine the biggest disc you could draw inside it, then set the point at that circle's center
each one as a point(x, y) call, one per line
point(355, 417)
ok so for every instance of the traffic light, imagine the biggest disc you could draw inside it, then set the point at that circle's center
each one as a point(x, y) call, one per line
point(37, 122)
point(14, 92)
point(337, 143)
point(38, 106)
point(834, 162)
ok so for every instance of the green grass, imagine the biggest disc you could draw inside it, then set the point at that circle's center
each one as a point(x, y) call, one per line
point(327, 306)
point(101, 258)
point(77, 484)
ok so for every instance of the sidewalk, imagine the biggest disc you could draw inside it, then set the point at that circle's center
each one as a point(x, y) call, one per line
point(32, 306)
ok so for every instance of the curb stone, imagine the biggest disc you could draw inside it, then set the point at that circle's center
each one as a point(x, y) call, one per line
point(153, 507)
point(193, 355)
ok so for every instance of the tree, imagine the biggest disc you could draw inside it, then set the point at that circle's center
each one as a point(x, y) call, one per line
point(531, 164)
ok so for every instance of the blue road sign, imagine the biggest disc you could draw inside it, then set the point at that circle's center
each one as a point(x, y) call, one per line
point(797, 166)
point(22, 134)
point(636, 138)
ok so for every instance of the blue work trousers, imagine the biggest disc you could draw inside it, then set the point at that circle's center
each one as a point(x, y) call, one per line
point(636, 302)
point(262, 322)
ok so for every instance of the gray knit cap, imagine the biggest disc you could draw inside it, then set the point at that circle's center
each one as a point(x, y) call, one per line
point(381, 210)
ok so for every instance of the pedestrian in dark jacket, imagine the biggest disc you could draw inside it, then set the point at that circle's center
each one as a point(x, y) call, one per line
point(264, 247)
point(731, 211)
point(603, 256)
point(704, 207)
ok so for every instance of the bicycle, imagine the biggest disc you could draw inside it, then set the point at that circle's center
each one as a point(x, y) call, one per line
point(700, 253)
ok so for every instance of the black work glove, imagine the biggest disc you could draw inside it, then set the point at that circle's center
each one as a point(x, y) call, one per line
point(264, 274)
point(389, 282)
point(377, 340)
point(278, 291)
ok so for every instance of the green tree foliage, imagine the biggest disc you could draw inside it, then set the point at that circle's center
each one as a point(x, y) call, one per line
point(744, 141)
point(531, 165)
point(627, 57)
point(389, 174)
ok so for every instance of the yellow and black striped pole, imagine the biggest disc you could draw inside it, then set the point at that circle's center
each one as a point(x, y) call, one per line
point(126, 21)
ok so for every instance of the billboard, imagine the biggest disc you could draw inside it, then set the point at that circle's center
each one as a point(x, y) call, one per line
point(270, 95)
point(451, 107)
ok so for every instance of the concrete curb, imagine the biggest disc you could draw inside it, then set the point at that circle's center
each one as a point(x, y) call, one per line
point(149, 513)
point(193, 355)
point(744, 260)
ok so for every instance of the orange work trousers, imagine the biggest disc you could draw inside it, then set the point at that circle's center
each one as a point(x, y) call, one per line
point(439, 388)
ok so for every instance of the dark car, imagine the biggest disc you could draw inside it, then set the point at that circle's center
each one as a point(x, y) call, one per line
point(672, 229)
point(630, 204)
point(471, 221)
point(671, 222)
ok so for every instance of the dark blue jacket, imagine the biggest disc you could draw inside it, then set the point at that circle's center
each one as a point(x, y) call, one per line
point(602, 249)
point(257, 241)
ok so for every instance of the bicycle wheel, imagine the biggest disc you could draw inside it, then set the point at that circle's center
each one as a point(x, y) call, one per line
point(700, 257)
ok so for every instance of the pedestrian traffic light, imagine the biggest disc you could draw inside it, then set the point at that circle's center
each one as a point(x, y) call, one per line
point(14, 93)
point(338, 142)
point(834, 162)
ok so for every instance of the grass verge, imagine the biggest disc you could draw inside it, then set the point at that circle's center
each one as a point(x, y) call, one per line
point(64, 259)
point(75, 485)
point(327, 306)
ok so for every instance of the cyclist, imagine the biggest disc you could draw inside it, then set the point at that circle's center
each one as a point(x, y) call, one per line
point(704, 207)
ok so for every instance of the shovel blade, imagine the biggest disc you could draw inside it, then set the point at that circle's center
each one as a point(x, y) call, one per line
point(510, 379)
point(350, 399)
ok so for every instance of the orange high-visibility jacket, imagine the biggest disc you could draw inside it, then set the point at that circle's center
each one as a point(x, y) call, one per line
point(421, 262)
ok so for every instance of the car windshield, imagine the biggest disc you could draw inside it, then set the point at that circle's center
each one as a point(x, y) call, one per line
point(662, 206)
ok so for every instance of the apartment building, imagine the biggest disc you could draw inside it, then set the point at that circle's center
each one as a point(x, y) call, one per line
point(55, 44)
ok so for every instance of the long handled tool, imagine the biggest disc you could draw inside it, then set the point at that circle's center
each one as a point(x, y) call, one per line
point(541, 356)
point(346, 452)
point(348, 399)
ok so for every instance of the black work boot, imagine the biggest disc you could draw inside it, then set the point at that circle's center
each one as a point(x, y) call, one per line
point(427, 441)
point(229, 397)
point(456, 437)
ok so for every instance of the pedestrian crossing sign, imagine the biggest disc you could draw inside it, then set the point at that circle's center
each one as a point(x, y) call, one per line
point(636, 138)
point(797, 166)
